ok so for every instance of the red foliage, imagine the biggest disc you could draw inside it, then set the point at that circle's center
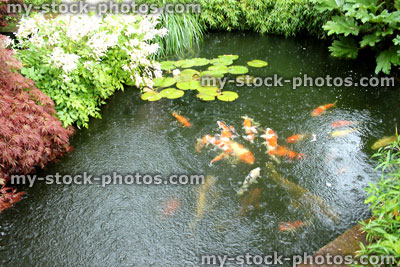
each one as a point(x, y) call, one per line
point(30, 134)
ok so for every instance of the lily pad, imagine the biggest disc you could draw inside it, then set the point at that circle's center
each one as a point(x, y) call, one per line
point(205, 97)
point(229, 57)
point(164, 81)
point(171, 93)
point(151, 96)
point(216, 74)
point(238, 69)
point(227, 96)
point(208, 90)
point(188, 85)
point(221, 61)
point(179, 63)
point(218, 68)
point(257, 63)
point(200, 61)
point(189, 72)
point(188, 63)
point(167, 65)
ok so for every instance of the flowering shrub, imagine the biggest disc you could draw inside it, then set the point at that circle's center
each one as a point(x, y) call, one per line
point(30, 134)
point(79, 61)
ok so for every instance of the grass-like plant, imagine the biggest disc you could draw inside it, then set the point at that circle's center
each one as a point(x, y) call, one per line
point(383, 230)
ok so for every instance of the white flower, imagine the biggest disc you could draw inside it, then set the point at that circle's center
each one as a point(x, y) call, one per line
point(68, 62)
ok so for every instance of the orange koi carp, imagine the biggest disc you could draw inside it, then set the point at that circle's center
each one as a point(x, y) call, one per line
point(341, 123)
point(295, 138)
point(171, 206)
point(290, 226)
point(250, 129)
point(286, 152)
point(182, 120)
point(321, 109)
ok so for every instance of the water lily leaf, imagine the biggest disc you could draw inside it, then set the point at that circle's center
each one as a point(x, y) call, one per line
point(189, 72)
point(188, 85)
point(188, 63)
point(221, 61)
point(200, 61)
point(245, 79)
point(238, 69)
point(218, 68)
point(167, 65)
point(215, 74)
point(229, 57)
point(257, 63)
point(179, 63)
point(205, 97)
point(171, 93)
point(151, 96)
point(227, 96)
point(208, 90)
point(164, 81)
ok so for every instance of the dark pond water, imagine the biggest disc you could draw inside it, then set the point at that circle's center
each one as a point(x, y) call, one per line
point(123, 225)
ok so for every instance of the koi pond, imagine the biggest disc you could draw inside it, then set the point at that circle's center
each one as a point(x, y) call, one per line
point(321, 194)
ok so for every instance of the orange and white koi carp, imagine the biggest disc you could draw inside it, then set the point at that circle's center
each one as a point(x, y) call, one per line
point(341, 123)
point(271, 141)
point(182, 120)
point(295, 138)
point(250, 128)
point(229, 148)
point(290, 226)
point(321, 109)
point(227, 132)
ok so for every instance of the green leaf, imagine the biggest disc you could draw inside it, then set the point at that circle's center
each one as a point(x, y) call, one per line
point(370, 40)
point(257, 63)
point(238, 69)
point(218, 68)
point(167, 65)
point(341, 25)
point(151, 96)
point(206, 97)
point(171, 93)
point(164, 82)
point(385, 60)
point(208, 90)
point(324, 5)
point(227, 96)
point(221, 61)
point(188, 85)
point(344, 47)
point(201, 61)
point(229, 57)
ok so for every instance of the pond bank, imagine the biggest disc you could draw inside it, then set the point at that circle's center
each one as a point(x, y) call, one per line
point(346, 244)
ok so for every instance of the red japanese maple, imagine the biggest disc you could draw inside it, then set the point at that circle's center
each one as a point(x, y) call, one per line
point(31, 136)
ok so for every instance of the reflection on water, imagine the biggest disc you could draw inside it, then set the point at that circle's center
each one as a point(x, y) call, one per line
point(162, 225)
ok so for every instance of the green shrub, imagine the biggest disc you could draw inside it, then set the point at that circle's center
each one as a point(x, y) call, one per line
point(286, 17)
point(365, 23)
point(79, 61)
point(383, 231)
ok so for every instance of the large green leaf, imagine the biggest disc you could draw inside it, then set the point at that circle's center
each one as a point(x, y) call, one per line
point(164, 82)
point(227, 96)
point(257, 63)
point(342, 25)
point(370, 40)
point(344, 47)
point(171, 93)
point(167, 65)
point(323, 5)
point(205, 97)
point(385, 60)
point(151, 96)
point(238, 69)
point(188, 85)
